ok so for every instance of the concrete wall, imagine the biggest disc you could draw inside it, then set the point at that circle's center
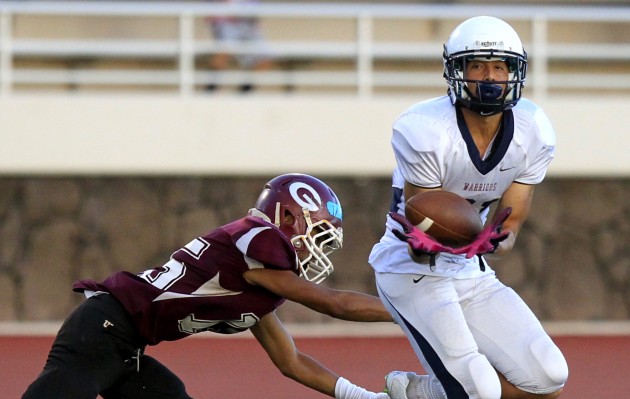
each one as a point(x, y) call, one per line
point(571, 261)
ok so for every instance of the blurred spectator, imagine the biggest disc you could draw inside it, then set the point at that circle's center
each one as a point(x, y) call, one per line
point(234, 31)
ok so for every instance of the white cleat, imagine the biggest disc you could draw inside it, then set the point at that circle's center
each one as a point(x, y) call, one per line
point(396, 384)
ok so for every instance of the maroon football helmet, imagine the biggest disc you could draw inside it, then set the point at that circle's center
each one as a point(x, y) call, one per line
point(308, 212)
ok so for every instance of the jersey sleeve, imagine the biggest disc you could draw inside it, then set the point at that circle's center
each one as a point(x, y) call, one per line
point(540, 149)
point(266, 247)
point(416, 144)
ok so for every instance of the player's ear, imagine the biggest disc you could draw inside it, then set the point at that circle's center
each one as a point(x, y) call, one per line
point(288, 218)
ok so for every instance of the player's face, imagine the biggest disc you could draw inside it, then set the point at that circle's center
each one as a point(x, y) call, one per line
point(302, 254)
point(289, 220)
point(488, 71)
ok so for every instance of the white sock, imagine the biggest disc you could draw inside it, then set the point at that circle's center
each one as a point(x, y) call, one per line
point(424, 387)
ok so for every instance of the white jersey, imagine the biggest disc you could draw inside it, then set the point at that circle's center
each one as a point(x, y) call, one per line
point(434, 148)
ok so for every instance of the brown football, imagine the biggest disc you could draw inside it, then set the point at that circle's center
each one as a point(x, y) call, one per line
point(447, 217)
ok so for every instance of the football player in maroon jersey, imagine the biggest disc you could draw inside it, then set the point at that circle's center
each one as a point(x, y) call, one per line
point(230, 280)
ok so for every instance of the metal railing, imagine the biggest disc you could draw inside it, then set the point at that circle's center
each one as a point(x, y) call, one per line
point(362, 50)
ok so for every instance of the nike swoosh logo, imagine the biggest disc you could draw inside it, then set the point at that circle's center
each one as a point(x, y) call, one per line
point(502, 169)
point(416, 280)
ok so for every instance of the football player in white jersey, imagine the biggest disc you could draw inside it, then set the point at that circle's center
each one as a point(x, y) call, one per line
point(474, 336)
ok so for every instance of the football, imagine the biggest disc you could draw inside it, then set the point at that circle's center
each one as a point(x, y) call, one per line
point(447, 217)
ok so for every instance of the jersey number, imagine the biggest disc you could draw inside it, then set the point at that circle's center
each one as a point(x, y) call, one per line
point(172, 271)
point(192, 325)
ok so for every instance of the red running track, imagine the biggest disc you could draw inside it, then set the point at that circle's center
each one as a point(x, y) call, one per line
point(238, 368)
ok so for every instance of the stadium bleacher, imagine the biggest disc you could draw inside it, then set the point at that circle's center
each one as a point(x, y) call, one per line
point(367, 48)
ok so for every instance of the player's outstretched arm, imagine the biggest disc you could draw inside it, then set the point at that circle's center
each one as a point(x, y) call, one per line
point(302, 368)
point(344, 305)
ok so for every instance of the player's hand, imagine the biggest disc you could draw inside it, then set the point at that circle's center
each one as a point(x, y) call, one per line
point(419, 242)
point(489, 239)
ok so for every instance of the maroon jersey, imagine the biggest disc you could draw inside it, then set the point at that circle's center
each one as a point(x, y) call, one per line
point(201, 288)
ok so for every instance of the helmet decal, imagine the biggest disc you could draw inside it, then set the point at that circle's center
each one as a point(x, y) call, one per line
point(311, 200)
point(335, 210)
point(488, 43)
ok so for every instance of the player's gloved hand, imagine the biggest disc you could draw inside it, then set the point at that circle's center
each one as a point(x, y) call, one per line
point(419, 242)
point(344, 389)
point(489, 239)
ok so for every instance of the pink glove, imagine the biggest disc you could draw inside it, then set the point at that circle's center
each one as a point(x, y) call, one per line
point(489, 239)
point(419, 241)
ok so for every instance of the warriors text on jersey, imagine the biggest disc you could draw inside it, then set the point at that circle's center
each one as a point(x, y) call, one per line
point(434, 148)
point(201, 288)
